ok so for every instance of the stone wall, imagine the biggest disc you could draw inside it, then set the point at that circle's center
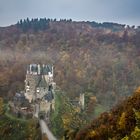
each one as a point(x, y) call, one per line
point(30, 86)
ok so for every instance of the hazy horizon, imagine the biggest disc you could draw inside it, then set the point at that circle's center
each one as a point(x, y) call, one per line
point(123, 12)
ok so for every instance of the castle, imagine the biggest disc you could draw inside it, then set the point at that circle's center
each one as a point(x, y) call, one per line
point(39, 86)
point(39, 96)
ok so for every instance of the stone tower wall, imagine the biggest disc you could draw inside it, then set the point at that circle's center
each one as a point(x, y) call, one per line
point(33, 81)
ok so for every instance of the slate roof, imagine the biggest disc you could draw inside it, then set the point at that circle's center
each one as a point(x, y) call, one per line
point(20, 100)
point(49, 97)
point(46, 69)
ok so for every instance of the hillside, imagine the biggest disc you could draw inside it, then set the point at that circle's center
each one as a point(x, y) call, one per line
point(102, 60)
point(121, 123)
point(13, 128)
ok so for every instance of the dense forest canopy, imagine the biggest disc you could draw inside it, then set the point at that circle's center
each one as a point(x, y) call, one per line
point(98, 58)
point(101, 60)
point(122, 123)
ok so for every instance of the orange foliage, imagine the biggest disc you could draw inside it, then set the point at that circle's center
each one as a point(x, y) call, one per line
point(117, 124)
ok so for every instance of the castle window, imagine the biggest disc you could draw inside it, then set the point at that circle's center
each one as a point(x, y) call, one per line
point(50, 87)
point(34, 68)
point(37, 90)
point(28, 83)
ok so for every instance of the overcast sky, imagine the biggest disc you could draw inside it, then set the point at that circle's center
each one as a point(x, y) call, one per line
point(120, 11)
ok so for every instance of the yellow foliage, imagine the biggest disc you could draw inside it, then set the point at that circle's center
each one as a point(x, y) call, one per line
point(66, 121)
point(78, 109)
point(93, 98)
point(91, 134)
point(136, 134)
point(125, 138)
point(122, 121)
point(137, 90)
point(65, 57)
point(137, 113)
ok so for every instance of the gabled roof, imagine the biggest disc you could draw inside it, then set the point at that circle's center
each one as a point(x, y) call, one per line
point(46, 69)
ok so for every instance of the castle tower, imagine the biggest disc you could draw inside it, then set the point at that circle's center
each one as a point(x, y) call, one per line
point(31, 81)
point(38, 80)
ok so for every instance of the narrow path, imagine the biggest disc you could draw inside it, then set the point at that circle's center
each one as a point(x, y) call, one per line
point(45, 130)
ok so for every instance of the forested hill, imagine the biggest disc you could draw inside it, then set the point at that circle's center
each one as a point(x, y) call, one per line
point(102, 60)
point(122, 123)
